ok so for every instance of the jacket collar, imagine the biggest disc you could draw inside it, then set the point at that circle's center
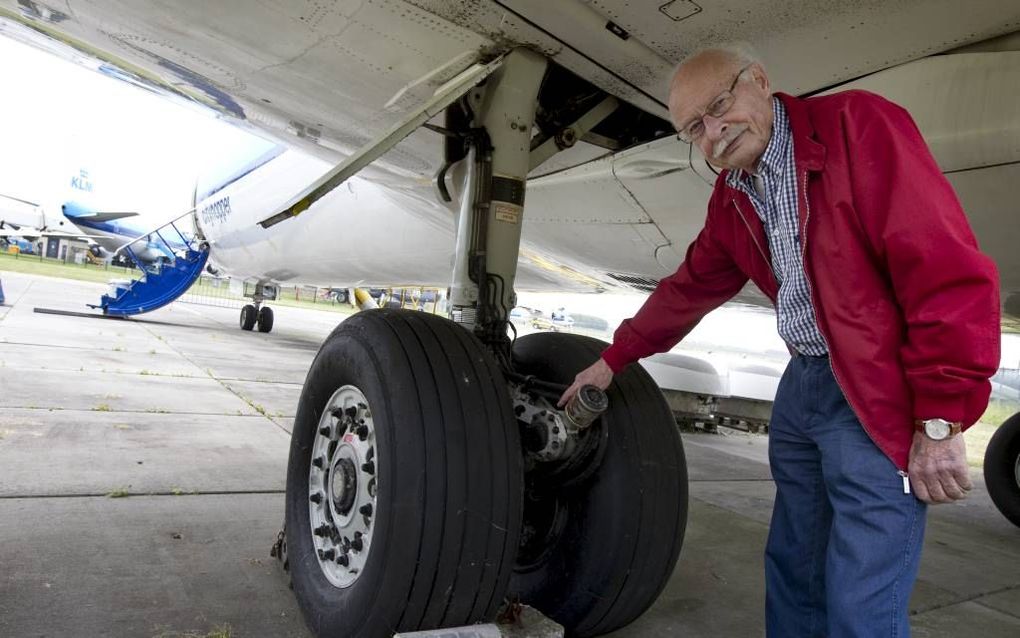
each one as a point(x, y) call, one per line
point(807, 151)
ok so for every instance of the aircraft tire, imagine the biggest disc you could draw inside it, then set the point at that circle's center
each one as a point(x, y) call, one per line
point(265, 319)
point(248, 317)
point(619, 533)
point(1002, 469)
point(447, 455)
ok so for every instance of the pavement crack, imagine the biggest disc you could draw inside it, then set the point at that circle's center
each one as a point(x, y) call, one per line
point(972, 598)
point(11, 305)
point(123, 411)
point(255, 406)
point(129, 494)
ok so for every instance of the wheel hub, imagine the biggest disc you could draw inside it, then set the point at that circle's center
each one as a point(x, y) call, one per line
point(342, 487)
point(344, 479)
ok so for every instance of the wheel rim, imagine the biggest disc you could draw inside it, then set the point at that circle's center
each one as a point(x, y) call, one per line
point(342, 486)
point(1016, 471)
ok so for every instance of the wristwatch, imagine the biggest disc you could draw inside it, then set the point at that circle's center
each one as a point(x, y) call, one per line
point(938, 429)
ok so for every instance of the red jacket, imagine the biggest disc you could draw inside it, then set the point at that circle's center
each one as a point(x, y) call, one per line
point(907, 303)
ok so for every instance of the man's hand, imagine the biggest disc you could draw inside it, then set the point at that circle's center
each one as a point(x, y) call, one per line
point(597, 374)
point(938, 469)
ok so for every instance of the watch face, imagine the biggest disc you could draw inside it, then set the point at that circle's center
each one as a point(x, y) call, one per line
point(937, 429)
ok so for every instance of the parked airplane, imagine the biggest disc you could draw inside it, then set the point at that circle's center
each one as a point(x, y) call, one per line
point(18, 214)
point(405, 500)
point(23, 223)
point(109, 234)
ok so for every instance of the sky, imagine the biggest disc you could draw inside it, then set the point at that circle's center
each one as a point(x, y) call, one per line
point(144, 152)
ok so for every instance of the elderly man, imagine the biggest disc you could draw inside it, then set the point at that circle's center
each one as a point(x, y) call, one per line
point(835, 209)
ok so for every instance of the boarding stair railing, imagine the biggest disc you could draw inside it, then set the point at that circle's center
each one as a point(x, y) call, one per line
point(162, 280)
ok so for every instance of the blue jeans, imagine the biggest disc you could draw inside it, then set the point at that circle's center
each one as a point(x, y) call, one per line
point(845, 540)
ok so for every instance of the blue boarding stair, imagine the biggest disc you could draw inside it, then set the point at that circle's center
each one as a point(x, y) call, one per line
point(162, 281)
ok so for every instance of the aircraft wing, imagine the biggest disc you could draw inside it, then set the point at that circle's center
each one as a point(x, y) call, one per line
point(618, 206)
point(18, 200)
point(99, 216)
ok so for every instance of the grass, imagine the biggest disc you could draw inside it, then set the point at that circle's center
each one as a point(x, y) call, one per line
point(981, 432)
point(34, 265)
point(102, 407)
point(119, 493)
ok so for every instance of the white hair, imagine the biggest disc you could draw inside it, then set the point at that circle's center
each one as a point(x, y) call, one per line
point(742, 54)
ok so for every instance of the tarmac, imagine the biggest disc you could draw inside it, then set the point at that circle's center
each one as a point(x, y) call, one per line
point(142, 472)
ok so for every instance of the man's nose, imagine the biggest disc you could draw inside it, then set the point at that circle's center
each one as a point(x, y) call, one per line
point(714, 126)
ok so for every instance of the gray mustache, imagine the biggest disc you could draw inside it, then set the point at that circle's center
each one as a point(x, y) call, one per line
point(731, 134)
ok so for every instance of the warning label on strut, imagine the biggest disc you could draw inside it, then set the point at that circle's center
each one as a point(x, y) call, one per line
point(507, 212)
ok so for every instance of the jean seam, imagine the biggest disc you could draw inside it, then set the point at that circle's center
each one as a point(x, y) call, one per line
point(819, 499)
point(903, 568)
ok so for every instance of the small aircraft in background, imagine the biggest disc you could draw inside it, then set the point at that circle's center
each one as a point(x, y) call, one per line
point(24, 223)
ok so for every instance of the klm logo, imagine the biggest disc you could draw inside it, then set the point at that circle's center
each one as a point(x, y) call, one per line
point(81, 182)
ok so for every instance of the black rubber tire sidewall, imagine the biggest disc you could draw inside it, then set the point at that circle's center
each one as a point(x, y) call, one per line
point(408, 551)
point(625, 526)
point(265, 319)
point(1000, 468)
point(247, 320)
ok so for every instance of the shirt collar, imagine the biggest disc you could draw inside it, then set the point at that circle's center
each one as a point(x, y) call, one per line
point(773, 160)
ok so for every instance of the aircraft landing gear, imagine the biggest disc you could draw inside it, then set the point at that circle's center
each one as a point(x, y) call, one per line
point(403, 506)
point(255, 314)
point(1002, 469)
point(420, 496)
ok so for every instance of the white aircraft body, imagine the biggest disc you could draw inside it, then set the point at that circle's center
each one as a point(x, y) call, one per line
point(405, 507)
point(20, 214)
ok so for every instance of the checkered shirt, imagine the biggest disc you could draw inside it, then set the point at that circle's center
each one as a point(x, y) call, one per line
point(778, 211)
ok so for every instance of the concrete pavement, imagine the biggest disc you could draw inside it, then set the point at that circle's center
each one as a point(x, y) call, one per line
point(189, 418)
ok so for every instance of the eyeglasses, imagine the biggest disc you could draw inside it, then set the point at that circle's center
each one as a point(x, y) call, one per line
point(696, 128)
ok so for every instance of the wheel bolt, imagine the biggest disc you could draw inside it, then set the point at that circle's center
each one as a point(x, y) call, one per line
point(343, 560)
point(322, 530)
point(372, 489)
point(362, 432)
point(327, 554)
point(316, 498)
point(366, 509)
point(357, 544)
point(351, 411)
point(370, 454)
point(368, 467)
point(317, 462)
point(325, 430)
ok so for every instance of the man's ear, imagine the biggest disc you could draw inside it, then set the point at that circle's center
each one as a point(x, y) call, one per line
point(761, 80)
